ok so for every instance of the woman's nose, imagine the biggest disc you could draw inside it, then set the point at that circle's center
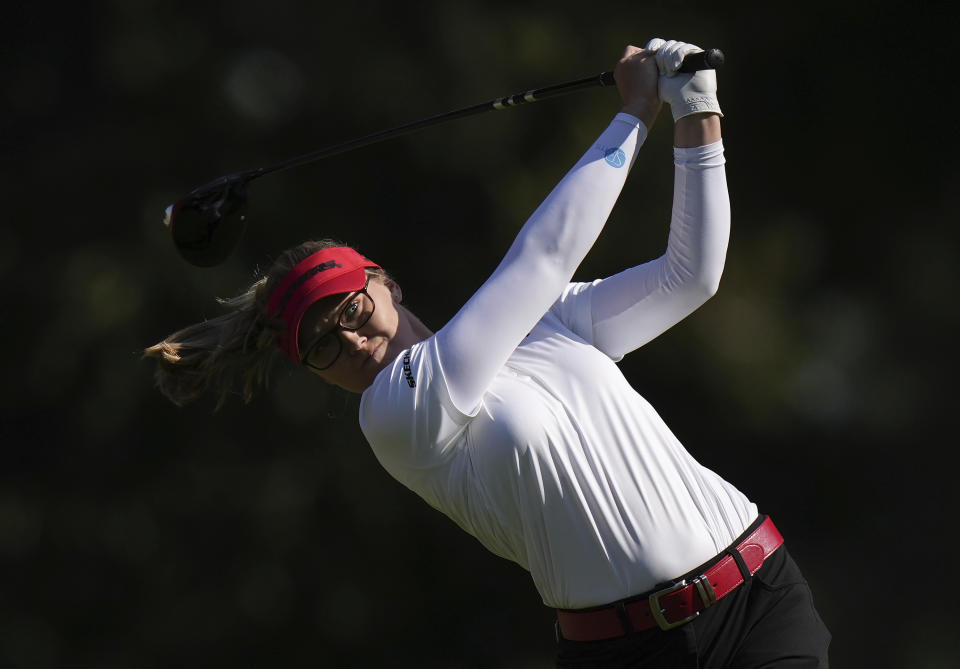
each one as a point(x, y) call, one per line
point(352, 340)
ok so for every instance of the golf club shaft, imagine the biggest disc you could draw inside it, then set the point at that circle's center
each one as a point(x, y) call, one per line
point(709, 59)
point(604, 79)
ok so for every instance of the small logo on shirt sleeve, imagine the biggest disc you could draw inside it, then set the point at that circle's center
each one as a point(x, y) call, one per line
point(615, 157)
point(407, 372)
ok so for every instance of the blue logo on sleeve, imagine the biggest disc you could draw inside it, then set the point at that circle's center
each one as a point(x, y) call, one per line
point(615, 157)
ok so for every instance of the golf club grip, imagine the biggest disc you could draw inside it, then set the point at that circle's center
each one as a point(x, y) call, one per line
point(711, 59)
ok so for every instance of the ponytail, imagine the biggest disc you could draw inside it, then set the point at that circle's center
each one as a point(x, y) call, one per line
point(229, 354)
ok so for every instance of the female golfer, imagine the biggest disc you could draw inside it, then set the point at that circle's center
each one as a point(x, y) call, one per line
point(514, 420)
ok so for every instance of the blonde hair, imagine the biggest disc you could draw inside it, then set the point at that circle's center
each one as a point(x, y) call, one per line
point(232, 353)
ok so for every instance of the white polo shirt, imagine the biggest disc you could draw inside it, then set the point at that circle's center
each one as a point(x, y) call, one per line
point(563, 468)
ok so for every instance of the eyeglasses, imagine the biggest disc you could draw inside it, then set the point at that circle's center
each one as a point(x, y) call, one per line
point(354, 315)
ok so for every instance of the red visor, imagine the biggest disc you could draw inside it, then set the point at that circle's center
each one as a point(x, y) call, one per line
point(335, 270)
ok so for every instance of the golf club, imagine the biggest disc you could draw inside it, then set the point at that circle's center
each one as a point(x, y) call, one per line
point(207, 223)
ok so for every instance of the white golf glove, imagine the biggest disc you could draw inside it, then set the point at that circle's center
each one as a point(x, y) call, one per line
point(685, 93)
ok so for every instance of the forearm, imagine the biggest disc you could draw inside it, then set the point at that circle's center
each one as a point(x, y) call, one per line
point(700, 223)
point(564, 227)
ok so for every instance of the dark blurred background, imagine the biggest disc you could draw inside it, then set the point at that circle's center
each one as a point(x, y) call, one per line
point(820, 380)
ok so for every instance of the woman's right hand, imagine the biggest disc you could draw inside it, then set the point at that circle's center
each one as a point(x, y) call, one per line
point(636, 76)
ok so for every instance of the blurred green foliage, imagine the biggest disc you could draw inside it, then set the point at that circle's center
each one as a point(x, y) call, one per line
point(819, 380)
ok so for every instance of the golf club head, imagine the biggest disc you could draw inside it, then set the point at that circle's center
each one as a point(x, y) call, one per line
point(207, 224)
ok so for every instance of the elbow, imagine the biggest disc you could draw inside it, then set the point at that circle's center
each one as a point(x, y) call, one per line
point(694, 289)
point(695, 293)
point(706, 282)
point(695, 267)
point(707, 271)
point(708, 285)
point(701, 281)
point(548, 256)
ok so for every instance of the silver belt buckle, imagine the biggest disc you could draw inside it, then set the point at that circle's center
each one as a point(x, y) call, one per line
point(704, 589)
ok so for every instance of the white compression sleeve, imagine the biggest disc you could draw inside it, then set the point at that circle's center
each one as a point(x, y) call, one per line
point(477, 341)
point(638, 304)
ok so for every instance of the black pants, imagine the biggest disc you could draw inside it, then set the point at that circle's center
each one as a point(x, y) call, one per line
point(768, 622)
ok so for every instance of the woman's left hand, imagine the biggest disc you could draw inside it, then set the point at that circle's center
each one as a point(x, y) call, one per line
point(636, 75)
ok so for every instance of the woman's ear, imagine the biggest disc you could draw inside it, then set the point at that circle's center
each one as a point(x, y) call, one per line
point(395, 291)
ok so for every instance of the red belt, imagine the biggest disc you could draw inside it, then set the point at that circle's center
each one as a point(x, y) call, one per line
point(676, 604)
